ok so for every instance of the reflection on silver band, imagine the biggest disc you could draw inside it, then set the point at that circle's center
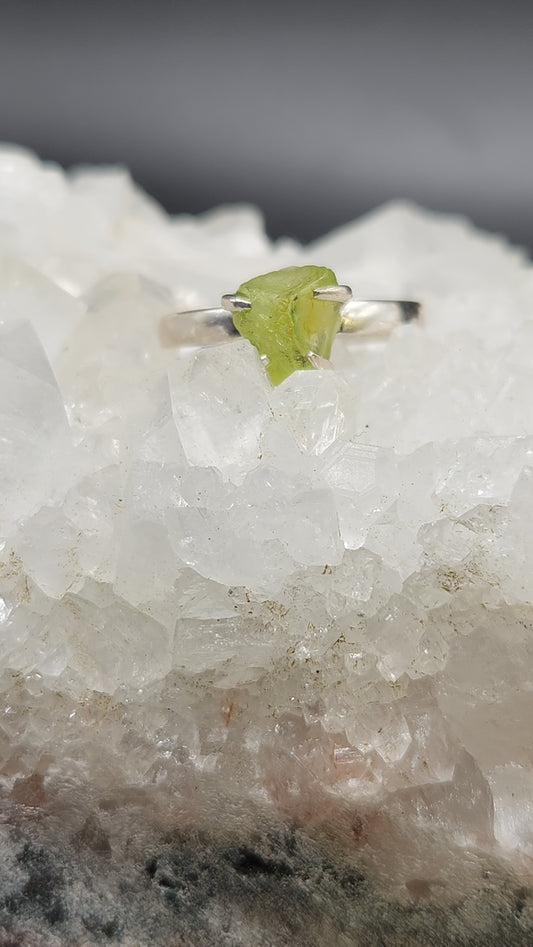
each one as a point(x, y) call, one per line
point(367, 317)
point(377, 316)
point(197, 327)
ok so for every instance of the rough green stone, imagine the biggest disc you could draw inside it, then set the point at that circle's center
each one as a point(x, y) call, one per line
point(285, 321)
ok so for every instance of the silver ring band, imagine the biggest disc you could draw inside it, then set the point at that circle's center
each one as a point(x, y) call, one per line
point(367, 317)
point(378, 316)
point(197, 327)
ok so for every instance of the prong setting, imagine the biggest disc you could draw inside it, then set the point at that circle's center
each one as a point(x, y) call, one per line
point(335, 294)
point(232, 303)
point(283, 301)
point(317, 361)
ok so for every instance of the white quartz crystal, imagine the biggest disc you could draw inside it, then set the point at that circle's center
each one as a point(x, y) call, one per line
point(316, 598)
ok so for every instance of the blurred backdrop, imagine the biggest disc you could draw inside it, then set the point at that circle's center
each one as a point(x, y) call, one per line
point(316, 111)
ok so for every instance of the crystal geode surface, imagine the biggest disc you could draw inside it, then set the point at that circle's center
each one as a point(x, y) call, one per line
point(266, 652)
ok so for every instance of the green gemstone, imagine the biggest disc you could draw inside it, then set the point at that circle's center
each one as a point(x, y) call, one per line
point(285, 321)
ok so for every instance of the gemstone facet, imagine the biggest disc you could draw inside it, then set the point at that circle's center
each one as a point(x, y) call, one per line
point(285, 321)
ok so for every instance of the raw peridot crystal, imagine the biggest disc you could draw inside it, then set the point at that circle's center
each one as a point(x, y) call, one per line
point(285, 321)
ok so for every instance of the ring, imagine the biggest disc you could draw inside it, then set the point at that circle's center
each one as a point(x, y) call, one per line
point(291, 316)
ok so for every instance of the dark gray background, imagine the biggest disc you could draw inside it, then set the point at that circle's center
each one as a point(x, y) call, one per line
point(315, 111)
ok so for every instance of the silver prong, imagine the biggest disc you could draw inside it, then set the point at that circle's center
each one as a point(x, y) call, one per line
point(232, 303)
point(334, 294)
point(317, 361)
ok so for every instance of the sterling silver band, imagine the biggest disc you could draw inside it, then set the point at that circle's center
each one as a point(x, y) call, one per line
point(368, 317)
point(378, 316)
point(197, 327)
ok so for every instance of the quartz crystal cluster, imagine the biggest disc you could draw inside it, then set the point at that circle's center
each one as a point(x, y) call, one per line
point(266, 652)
